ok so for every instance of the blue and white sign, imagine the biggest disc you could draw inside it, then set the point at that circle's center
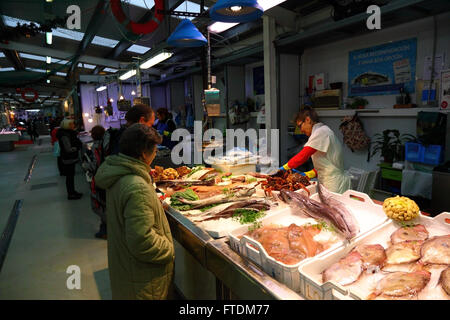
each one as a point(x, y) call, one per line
point(383, 69)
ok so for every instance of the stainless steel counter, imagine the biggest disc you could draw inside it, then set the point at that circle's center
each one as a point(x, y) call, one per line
point(236, 277)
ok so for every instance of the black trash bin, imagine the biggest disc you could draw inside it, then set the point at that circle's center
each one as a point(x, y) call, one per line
point(440, 200)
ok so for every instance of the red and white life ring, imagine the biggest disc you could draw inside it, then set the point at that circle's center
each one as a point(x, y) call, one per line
point(138, 28)
point(24, 91)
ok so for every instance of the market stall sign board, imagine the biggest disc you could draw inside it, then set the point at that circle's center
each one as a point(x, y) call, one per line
point(383, 69)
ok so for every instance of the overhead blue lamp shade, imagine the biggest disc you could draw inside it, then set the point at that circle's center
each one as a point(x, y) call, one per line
point(186, 35)
point(236, 11)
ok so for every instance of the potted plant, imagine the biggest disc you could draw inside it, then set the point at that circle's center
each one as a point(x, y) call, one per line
point(390, 143)
point(357, 103)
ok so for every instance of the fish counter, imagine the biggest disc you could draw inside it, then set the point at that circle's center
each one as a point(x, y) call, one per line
point(255, 236)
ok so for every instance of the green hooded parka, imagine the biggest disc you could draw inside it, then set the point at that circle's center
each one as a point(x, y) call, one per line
point(140, 245)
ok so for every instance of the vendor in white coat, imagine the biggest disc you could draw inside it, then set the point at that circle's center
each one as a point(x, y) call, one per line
point(325, 150)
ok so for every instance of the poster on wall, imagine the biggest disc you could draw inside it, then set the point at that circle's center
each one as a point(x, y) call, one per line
point(444, 103)
point(383, 69)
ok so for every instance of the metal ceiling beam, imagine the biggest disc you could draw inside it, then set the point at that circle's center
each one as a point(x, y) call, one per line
point(97, 19)
point(258, 48)
point(44, 51)
point(358, 18)
point(125, 43)
point(12, 55)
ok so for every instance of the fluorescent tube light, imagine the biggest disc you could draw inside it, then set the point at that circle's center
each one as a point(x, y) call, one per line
point(156, 59)
point(267, 4)
point(48, 37)
point(128, 75)
point(101, 88)
point(218, 27)
point(49, 59)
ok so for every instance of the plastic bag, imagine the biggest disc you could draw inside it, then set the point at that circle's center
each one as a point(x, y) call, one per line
point(56, 149)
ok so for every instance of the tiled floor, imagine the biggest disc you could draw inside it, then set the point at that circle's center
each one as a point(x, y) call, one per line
point(52, 233)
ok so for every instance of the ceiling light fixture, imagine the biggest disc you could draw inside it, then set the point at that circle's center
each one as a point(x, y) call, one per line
point(86, 114)
point(156, 59)
point(49, 59)
point(236, 11)
point(127, 75)
point(48, 37)
point(48, 80)
point(186, 34)
point(218, 27)
point(133, 93)
point(101, 88)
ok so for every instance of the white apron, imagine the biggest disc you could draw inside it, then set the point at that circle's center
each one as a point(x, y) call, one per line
point(328, 160)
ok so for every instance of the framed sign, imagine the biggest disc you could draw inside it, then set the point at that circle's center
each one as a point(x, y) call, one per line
point(444, 101)
point(383, 69)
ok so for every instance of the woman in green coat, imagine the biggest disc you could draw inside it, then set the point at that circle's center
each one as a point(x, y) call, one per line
point(140, 245)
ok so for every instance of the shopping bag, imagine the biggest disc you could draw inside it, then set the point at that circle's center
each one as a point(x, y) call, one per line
point(56, 149)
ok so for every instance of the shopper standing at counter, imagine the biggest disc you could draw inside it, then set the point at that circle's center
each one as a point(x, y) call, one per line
point(165, 126)
point(325, 150)
point(69, 145)
point(140, 244)
point(139, 113)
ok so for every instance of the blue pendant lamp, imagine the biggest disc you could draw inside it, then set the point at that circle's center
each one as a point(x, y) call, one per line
point(236, 11)
point(186, 35)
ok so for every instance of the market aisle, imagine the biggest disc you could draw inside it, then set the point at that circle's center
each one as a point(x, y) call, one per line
point(52, 232)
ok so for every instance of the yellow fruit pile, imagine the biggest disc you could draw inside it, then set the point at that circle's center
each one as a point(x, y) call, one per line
point(169, 174)
point(400, 208)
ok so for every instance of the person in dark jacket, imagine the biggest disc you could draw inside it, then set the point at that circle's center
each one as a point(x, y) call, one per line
point(69, 145)
point(165, 126)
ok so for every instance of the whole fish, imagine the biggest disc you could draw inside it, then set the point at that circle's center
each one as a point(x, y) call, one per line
point(320, 211)
point(436, 250)
point(346, 271)
point(235, 194)
point(403, 252)
point(444, 280)
point(228, 211)
point(418, 232)
point(327, 198)
point(402, 284)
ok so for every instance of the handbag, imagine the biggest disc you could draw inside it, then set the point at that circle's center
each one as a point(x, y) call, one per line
point(354, 136)
point(56, 149)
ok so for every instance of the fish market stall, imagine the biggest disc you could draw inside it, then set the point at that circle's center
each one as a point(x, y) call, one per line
point(281, 236)
point(7, 139)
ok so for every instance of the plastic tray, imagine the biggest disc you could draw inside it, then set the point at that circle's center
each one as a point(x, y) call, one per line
point(311, 272)
point(368, 214)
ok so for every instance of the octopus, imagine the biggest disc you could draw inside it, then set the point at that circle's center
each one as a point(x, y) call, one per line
point(436, 250)
point(418, 232)
point(403, 285)
point(403, 252)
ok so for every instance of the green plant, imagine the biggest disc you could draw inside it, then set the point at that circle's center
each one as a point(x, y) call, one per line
point(357, 102)
point(390, 144)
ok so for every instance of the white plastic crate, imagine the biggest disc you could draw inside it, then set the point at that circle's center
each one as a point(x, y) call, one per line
point(368, 214)
point(311, 272)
